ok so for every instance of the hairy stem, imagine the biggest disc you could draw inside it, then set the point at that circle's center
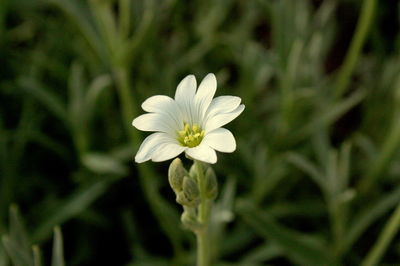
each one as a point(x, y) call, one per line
point(203, 252)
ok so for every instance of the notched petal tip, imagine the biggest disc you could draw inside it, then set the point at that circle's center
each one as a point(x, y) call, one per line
point(209, 82)
point(186, 89)
point(188, 80)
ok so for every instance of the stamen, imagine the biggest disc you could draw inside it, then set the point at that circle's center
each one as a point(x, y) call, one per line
point(190, 136)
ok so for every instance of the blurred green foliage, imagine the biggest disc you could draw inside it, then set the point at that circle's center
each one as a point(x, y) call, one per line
point(315, 178)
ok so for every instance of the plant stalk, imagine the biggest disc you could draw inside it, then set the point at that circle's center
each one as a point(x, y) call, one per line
point(388, 233)
point(203, 240)
point(363, 26)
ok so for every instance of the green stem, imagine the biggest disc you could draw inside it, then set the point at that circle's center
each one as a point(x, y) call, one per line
point(363, 25)
point(202, 249)
point(389, 232)
point(385, 156)
point(203, 244)
point(126, 97)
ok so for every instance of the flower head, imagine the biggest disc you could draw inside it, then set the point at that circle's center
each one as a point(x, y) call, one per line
point(190, 123)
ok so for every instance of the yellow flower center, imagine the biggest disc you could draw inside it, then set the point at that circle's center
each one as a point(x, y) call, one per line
point(190, 136)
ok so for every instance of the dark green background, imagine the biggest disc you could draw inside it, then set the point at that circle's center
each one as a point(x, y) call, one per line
point(316, 173)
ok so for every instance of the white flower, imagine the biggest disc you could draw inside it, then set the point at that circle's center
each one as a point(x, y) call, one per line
point(190, 123)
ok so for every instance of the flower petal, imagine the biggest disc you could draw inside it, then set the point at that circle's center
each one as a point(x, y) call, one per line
point(154, 122)
point(150, 144)
point(184, 96)
point(164, 105)
point(223, 104)
point(157, 103)
point(221, 140)
point(186, 88)
point(202, 153)
point(167, 151)
point(222, 119)
point(204, 94)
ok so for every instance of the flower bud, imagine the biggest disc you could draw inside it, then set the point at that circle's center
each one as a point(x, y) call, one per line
point(189, 220)
point(190, 187)
point(211, 184)
point(190, 195)
point(193, 172)
point(176, 173)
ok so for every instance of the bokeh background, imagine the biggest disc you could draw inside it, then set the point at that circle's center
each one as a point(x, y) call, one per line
point(314, 180)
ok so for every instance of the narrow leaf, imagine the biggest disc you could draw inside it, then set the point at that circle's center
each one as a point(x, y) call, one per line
point(308, 167)
point(329, 115)
point(70, 208)
point(37, 256)
point(300, 249)
point(369, 215)
point(386, 236)
point(58, 250)
point(18, 256)
point(104, 164)
point(18, 233)
point(44, 96)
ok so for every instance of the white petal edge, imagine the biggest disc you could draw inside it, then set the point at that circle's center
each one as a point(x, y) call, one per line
point(154, 122)
point(186, 89)
point(220, 120)
point(223, 104)
point(220, 139)
point(205, 94)
point(166, 151)
point(184, 96)
point(202, 153)
point(164, 105)
point(157, 103)
point(150, 144)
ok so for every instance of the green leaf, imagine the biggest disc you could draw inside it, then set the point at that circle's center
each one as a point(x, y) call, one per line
point(17, 243)
point(329, 115)
point(385, 237)
point(70, 208)
point(49, 100)
point(75, 94)
point(37, 256)
point(370, 214)
point(3, 256)
point(262, 254)
point(384, 158)
point(308, 167)
point(17, 230)
point(18, 255)
point(76, 13)
point(58, 250)
point(222, 214)
point(102, 163)
point(301, 249)
point(98, 85)
point(344, 163)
